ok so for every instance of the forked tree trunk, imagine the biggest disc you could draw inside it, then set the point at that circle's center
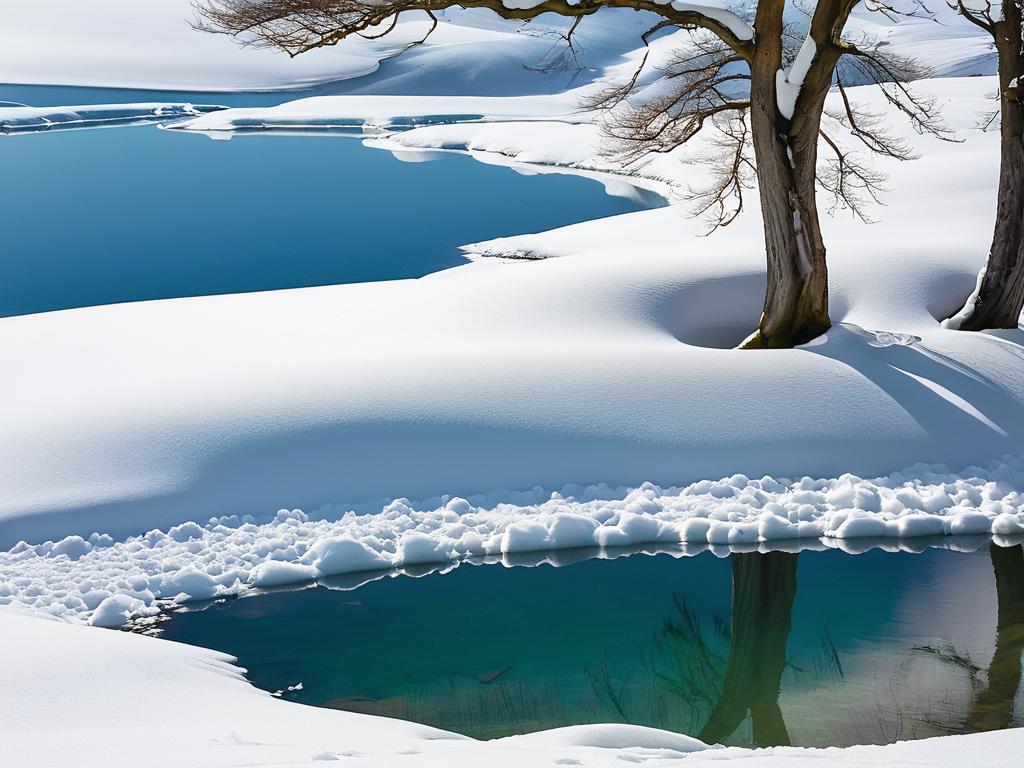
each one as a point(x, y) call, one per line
point(1000, 295)
point(785, 151)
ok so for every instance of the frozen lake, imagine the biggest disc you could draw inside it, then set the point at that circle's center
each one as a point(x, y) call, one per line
point(149, 214)
point(812, 649)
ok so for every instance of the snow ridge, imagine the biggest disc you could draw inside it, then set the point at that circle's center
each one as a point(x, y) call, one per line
point(103, 582)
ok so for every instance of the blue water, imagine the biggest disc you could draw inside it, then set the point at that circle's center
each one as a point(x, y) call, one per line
point(813, 649)
point(135, 212)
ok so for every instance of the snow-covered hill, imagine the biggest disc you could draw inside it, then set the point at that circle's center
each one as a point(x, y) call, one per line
point(122, 43)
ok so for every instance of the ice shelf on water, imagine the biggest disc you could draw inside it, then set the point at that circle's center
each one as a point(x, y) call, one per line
point(17, 118)
point(104, 581)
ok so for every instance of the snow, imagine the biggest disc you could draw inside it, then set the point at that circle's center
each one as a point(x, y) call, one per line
point(88, 697)
point(230, 556)
point(937, 37)
point(731, 21)
point(391, 111)
point(113, 43)
point(788, 83)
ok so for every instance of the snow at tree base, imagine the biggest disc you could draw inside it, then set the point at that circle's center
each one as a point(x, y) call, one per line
point(577, 387)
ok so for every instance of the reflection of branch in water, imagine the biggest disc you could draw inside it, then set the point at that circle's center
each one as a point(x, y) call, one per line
point(832, 662)
point(948, 654)
point(605, 690)
point(697, 669)
point(992, 704)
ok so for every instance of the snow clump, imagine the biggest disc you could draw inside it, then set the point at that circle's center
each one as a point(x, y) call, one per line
point(102, 582)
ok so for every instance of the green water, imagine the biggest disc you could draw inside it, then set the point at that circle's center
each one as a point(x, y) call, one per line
point(815, 648)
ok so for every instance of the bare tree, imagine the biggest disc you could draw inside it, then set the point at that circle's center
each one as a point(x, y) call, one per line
point(747, 85)
point(999, 296)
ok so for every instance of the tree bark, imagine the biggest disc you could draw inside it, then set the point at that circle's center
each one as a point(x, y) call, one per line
point(999, 298)
point(785, 151)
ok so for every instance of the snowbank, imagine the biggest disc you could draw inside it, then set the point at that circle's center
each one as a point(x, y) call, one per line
point(103, 582)
point(379, 111)
point(86, 697)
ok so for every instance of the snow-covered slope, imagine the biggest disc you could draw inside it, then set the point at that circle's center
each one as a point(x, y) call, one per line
point(121, 43)
point(599, 366)
point(87, 697)
point(125, 44)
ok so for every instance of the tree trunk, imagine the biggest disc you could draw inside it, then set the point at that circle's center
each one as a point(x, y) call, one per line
point(999, 297)
point(785, 151)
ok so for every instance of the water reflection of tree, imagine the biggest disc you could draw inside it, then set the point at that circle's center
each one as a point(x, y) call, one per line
point(691, 684)
point(993, 707)
point(719, 690)
point(763, 590)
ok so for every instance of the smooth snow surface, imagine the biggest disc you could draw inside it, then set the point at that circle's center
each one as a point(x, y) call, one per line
point(87, 697)
point(118, 43)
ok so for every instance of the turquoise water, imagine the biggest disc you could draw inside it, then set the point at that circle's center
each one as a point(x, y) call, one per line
point(815, 648)
point(135, 212)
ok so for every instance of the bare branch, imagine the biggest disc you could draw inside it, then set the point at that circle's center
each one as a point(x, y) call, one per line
point(721, 201)
point(559, 58)
point(696, 84)
point(979, 17)
point(849, 182)
point(870, 128)
point(892, 73)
